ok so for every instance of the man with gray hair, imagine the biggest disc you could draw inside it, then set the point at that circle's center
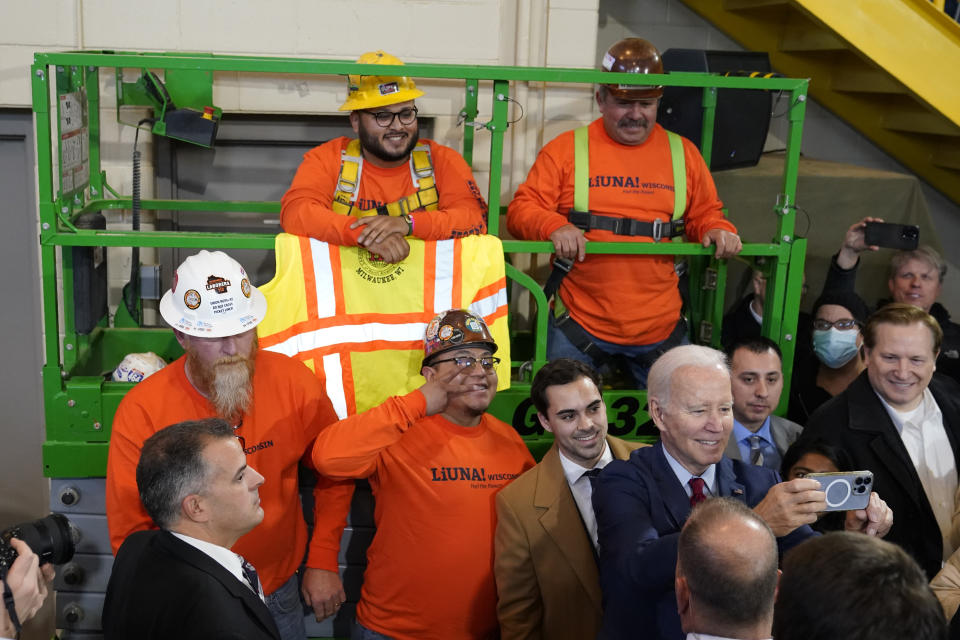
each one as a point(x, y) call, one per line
point(726, 572)
point(182, 581)
point(915, 277)
point(642, 503)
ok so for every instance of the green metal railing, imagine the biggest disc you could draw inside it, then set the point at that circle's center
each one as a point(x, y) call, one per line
point(79, 404)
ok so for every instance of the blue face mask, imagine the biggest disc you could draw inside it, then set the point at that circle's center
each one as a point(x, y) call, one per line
point(835, 348)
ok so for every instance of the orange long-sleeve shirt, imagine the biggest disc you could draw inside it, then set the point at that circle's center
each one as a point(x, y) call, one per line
point(289, 409)
point(430, 566)
point(305, 207)
point(617, 298)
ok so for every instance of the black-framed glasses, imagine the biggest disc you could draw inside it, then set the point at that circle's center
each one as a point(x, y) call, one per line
point(465, 362)
point(385, 118)
point(843, 325)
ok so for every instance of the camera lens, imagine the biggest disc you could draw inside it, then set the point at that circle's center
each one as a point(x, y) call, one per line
point(53, 538)
point(867, 480)
point(859, 481)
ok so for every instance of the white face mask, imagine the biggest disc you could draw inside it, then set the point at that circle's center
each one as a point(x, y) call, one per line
point(835, 348)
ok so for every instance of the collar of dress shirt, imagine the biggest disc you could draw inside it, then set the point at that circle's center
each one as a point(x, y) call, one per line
point(927, 409)
point(709, 476)
point(223, 556)
point(573, 471)
point(741, 434)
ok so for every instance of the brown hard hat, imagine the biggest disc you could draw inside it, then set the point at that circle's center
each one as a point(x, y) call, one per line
point(454, 329)
point(633, 55)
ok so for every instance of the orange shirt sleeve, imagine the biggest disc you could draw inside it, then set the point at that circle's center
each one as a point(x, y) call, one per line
point(462, 210)
point(534, 212)
point(331, 498)
point(125, 512)
point(704, 209)
point(305, 207)
point(351, 447)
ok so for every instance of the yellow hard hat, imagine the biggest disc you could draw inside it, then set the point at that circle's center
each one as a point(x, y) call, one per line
point(367, 92)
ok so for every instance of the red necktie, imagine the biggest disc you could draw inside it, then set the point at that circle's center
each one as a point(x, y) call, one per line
point(697, 496)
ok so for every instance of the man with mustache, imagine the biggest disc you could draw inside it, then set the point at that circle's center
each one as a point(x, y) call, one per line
point(622, 178)
point(276, 406)
point(387, 185)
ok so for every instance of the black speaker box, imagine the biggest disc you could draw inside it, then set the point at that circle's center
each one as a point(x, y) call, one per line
point(742, 115)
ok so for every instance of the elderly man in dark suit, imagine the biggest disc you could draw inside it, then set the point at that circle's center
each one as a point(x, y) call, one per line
point(642, 503)
point(182, 581)
point(902, 422)
point(548, 585)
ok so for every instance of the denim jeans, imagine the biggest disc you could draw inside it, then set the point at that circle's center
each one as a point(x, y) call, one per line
point(559, 346)
point(360, 632)
point(286, 607)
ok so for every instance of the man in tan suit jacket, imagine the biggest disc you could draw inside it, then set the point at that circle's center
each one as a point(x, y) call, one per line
point(548, 585)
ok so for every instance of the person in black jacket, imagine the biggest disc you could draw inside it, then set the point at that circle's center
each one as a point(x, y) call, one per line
point(182, 581)
point(902, 422)
point(916, 277)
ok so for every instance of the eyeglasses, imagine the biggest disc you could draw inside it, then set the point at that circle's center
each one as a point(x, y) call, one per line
point(842, 325)
point(385, 118)
point(466, 362)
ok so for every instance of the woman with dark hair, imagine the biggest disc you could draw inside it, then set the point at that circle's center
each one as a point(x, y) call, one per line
point(836, 341)
point(816, 456)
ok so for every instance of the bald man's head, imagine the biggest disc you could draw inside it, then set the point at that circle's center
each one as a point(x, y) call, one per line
point(726, 570)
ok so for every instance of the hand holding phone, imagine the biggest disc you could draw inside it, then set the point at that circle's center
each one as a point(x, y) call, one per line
point(846, 490)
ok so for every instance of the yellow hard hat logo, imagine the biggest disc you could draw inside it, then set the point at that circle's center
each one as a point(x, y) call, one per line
point(368, 92)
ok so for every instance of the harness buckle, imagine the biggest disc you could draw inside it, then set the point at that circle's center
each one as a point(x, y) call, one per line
point(657, 232)
point(580, 219)
point(563, 264)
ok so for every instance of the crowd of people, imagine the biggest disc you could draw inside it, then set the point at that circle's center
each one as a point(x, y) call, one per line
point(713, 532)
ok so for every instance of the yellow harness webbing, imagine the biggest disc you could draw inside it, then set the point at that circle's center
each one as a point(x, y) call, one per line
point(348, 184)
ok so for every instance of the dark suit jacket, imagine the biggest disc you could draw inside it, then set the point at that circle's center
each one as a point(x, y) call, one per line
point(857, 421)
point(163, 588)
point(548, 585)
point(641, 507)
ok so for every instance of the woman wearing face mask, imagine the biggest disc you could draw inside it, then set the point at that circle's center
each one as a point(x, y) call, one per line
point(837, 317)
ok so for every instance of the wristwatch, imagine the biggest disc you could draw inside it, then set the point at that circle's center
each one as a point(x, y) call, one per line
point(409, 220)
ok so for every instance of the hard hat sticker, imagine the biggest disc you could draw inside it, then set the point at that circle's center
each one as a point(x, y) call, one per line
point(218, 284)
point(245, 287)
point(388, 87)
point(608, 61)
point(432, 328)
point(472, 324)
point(191, 298)
point(223, 305)
point(445, 332)
point(176, 277)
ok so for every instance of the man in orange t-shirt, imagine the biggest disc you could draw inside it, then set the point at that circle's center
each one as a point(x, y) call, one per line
point(435, 461)
point(277, 407)
point(387, 185)
point(616, 304)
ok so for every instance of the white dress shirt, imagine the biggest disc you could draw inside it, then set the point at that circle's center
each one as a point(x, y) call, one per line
point(222, 556)
point(929, 447)
point(582, 490)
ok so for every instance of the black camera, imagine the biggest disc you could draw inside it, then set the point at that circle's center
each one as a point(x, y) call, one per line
point(53, 538)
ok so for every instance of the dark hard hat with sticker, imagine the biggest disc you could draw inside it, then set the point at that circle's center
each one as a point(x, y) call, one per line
point(455, 329)
point(633, 55)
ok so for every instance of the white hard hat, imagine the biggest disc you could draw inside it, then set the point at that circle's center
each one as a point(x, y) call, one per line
point(138, 366)
point(211, 297)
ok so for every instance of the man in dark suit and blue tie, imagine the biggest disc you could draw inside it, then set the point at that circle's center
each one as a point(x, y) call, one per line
point(642, 503)
point(182, 581)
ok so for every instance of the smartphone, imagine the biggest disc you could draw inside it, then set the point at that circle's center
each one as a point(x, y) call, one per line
point(892, 235)
point(846, 490)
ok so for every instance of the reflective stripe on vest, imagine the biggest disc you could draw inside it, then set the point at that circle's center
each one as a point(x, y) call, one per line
point(581, 172)
point(359, 323)
point(351, 170)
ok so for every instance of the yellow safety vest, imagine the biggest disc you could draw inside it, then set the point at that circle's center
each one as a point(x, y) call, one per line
point(361, 321)
point(348, 184)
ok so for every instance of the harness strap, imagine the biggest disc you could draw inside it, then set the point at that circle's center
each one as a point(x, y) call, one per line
point(348, 182)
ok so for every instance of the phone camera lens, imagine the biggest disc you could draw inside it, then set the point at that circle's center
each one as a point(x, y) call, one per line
point(859, 481)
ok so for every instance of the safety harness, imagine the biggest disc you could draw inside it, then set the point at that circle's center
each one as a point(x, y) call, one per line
point(580, 217)
point(348, 185)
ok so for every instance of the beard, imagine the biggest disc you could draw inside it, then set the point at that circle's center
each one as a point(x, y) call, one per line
point(373, 145)
point(227, 382)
